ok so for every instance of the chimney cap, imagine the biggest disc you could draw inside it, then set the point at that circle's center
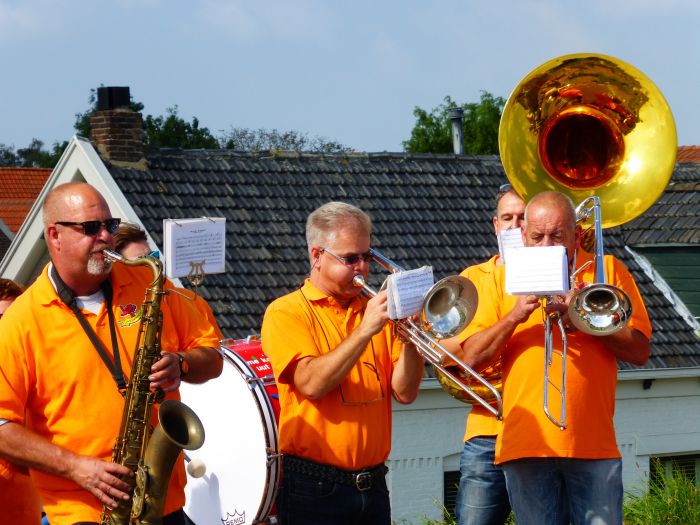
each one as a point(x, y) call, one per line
point(113, 98)
point(455, 113)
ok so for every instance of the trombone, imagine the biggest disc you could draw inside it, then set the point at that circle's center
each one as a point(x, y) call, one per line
point(447, 308)
point(596, 129)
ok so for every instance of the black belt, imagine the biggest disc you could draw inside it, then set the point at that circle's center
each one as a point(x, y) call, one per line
point(363, 479)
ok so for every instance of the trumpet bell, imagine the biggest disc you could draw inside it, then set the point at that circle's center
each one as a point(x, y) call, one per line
point(588, 124)
point(600, 309)
point(449, 306)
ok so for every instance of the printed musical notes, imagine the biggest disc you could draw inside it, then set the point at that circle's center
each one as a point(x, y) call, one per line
point(194, 246)
point(405, 291)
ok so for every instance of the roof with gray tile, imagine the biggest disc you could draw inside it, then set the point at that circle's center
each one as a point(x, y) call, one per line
point(675, 217)
point(427, 209)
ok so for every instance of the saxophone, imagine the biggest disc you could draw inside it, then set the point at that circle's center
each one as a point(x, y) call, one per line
point(151, 456)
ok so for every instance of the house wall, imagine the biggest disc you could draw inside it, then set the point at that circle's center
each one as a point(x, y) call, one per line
point(427, 439)
point(680, 267)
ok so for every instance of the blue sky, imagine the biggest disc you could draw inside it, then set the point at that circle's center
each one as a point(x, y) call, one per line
point(350, 71)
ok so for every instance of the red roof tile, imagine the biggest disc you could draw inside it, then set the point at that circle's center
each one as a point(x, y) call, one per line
point(19, 188)
point(688, 154)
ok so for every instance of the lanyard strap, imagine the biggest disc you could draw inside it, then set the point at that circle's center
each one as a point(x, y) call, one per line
point(66, 295)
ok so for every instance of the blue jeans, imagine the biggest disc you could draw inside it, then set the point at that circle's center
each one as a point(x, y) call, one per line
point(308, 500)
point(544, 490)
point(482, 498)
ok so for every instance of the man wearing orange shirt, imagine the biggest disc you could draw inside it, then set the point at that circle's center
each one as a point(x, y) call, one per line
point(555, 475)
point(482, 498)
point(67, 344)
point(131, 242)
point(18, 497)
point(337, 364)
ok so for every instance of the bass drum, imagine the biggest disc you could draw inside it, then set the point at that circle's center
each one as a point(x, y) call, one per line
point(239, 411)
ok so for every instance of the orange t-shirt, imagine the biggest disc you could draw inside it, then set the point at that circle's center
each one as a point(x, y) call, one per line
point(591, 377)
point(480, 421)
point(51, 369)
point(19, 500)
point(344, 428)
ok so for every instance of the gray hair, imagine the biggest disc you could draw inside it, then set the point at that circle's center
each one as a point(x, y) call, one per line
point(324, 222)
point(556, 198)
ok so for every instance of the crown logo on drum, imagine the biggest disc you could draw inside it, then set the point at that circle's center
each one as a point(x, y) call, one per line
point(234, 519)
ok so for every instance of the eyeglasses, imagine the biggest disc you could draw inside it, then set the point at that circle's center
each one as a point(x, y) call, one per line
point(351, 260)
point(93, 227)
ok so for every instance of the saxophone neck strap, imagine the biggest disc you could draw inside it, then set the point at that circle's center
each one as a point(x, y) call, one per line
point(68, 297)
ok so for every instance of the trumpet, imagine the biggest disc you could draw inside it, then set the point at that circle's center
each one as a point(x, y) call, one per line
point(447, 308)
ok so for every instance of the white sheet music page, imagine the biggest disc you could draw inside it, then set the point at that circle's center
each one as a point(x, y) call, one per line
point(189, 243)
point(509, 239)
point(537, 270)
point(405, 291)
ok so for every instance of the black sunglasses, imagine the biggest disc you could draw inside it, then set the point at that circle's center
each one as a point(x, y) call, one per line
point(93, 227)
point(351, 260)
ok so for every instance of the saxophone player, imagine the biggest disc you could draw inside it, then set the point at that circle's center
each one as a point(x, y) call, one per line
point(67, 345)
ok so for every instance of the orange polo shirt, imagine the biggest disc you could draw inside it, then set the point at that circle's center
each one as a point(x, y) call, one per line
point(591, 377)
point(50, 367)
point(19, 500)
point(350, 427)
point(480, 421)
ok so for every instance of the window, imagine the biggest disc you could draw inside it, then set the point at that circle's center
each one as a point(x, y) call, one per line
point(665, 467)
point(450, 484)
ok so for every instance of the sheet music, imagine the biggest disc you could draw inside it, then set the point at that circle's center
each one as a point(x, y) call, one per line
point(405, 291)
point(540, 270)
point(192, 243)
point(509, 239)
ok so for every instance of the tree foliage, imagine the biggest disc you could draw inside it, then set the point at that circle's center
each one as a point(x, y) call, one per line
point(172, 131)
point(432, 132)
point(33, 156)
point(244, 139)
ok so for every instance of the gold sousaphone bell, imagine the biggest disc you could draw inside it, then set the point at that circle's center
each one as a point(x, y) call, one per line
point(596, 129)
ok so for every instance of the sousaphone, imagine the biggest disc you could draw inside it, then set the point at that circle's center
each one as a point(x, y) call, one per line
point(588, 124)
point(598, 130)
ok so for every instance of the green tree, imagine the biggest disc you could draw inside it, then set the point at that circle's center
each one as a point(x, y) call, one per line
point(244, 139)
point(432, 132)
point(33, 156)
point(172, 131)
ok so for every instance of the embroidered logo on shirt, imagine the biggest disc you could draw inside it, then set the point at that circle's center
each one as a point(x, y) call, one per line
point(129, 314)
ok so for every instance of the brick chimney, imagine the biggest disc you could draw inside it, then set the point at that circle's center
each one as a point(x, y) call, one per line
point(116, 128)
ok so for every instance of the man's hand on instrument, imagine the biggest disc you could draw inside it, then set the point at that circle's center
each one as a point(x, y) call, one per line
point(524, 307)
point(165, 373)
point(376, 314)
point(100, 479)
point(560, 306)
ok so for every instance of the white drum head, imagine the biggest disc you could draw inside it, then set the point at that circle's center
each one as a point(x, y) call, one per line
point(239, 451)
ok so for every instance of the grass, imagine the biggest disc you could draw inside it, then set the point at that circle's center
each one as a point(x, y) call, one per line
point(676, 501)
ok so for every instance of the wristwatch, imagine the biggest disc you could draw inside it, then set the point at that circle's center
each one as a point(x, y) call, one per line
point(184, 365)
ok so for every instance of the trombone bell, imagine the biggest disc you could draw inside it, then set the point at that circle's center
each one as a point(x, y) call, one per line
point(600, 309)
point(449, 306)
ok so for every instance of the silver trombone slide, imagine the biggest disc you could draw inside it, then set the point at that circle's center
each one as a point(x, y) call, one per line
point(430, 348)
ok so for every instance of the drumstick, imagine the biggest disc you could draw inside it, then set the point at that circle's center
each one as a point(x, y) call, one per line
point(195, 467)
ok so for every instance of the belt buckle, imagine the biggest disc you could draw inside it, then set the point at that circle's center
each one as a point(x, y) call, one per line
point(363, 481)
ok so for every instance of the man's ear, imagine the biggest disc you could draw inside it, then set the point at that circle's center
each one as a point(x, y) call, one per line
point(315, 254)
point(51, 236)
point(495, 225)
